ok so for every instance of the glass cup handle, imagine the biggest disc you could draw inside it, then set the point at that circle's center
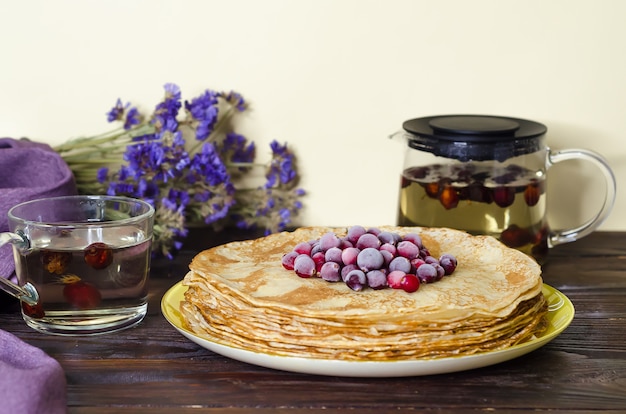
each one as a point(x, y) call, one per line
point(26, 293)
point(569, 235)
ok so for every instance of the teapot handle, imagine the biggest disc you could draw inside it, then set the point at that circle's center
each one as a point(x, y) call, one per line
point(570, 235)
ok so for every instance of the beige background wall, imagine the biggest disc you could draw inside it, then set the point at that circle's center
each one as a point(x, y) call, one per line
point(333, 78)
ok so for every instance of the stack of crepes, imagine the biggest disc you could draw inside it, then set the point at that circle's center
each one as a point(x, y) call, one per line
point(240, 295)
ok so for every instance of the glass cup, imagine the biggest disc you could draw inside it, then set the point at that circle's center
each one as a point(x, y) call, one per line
point(82, 262)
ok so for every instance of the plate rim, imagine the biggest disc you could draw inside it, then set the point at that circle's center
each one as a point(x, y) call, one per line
point(559, 306)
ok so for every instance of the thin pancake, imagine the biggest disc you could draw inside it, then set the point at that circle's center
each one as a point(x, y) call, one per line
point(240, 294)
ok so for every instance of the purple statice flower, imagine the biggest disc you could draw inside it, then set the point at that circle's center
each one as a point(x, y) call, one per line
point(123, 173)
point(284, 216)
point(298, 192)
point(220, 210)
point(215, 204)
point(147, 190)
point(133, 117)
point(144, 157)
point(166, 112)
point(160, 159)
point(204, 111)
point(237, 149)
point(176, 200)
point(277, 217)
point(170, 217)
point(207, 166)
point(102, 174)
point(196, 185)
point(117, 112)
point(144, 137)
point(272, 209)
point(235, 99)
point(213, 189)
point(178, 157)
point(121, 188)
point(281, 169)
point(130, 115)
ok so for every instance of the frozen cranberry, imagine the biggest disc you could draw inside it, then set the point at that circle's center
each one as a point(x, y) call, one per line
point(394, 279)
point(416, 263)
point(319, 259)
point(410, 283)
point(288, 260)
point(448, 262)
point(304, 266)
point(55, 262)
point(98, 255)
point(303, 248)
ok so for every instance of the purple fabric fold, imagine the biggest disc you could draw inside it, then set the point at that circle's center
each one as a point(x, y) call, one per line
point(30, 380)
point(28, 170)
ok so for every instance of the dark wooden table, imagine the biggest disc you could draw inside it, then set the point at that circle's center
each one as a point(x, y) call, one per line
point(153, 369)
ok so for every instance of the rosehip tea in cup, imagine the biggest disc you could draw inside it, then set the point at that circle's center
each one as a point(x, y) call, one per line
point(487, 175)
point(82, 262)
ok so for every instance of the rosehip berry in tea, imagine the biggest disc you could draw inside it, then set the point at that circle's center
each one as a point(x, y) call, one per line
point(479, 193)
point(55, 262)
point(448, 197)
point(514, 236)
point(98, 255)
point(432, 189)
point(504, 196)
point(80, 294)
point(34, 311)
point(532, 193)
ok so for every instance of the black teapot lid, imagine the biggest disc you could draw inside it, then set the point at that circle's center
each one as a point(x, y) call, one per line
point(475, 137)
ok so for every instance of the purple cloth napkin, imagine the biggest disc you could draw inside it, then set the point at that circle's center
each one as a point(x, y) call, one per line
point(30, 380)
point(28, 170)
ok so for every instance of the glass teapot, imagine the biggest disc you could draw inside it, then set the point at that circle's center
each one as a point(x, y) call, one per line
point(487, 175)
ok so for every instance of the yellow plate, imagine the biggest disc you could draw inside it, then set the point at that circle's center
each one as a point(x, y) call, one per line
point(560, 315)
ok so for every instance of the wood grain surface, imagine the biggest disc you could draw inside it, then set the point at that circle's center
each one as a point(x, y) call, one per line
point(152, 368)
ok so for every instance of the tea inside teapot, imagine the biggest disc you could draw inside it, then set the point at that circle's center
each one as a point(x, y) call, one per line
point(482, 174)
